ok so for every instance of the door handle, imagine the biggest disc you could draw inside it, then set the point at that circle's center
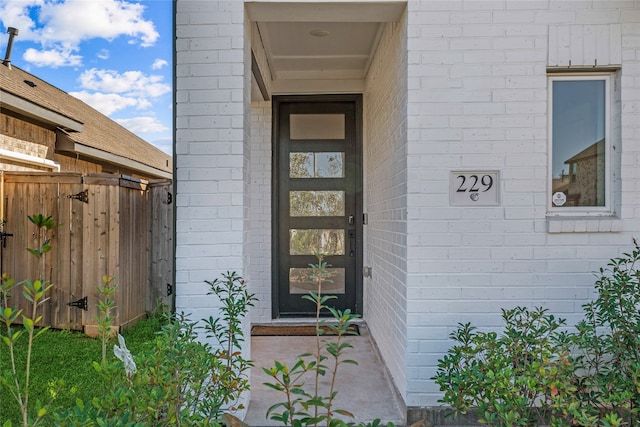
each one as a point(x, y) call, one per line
point(352, 236)
point(352, 242)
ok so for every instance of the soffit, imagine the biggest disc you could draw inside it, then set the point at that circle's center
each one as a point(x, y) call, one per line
point(336, 58)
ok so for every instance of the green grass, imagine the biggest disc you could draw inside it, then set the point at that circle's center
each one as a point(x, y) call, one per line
point(68, 356)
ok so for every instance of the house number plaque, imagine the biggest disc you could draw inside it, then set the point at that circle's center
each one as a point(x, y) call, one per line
point(474, 188)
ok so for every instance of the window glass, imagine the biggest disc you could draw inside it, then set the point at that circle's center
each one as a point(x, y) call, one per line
point(317, 126)
point(316, 203)
point(300, 282)
point(309, 242)
point(316, 165)
point(578, 135)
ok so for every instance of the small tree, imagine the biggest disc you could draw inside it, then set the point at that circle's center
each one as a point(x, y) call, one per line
point(295, 410)
point(226, 329)
point(106, 306)
point(17, 381)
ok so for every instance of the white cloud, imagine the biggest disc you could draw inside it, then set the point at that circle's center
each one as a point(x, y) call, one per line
point(142, 125)
point(143, 104)
point(158, 64)
point(109, 91)
point(77, 20)
point(63, 24)
point(52, 58)
point(15, 13)
point(133, 83)
point(103, 54)
point(106, 103)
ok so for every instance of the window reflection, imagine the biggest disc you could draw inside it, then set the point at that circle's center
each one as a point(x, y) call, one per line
point(300, 282)
point(316, 203)
point(316, 165)
point(578, 143)
point(308, 242)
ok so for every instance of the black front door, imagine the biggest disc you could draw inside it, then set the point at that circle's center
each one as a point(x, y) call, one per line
point(317, 200)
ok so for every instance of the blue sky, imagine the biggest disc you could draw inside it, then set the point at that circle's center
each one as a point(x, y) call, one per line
point(115, 55)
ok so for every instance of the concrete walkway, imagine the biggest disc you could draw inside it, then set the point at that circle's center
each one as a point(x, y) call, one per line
point(363, 389)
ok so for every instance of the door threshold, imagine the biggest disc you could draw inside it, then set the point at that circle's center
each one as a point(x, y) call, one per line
point(296, 330)
point(303, 327)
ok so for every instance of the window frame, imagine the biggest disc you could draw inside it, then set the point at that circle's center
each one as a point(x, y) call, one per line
point(607, 209)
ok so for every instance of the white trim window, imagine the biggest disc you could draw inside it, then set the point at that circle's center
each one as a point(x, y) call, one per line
point(579, 144)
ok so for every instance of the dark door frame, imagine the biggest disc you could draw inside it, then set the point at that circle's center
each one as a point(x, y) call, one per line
point(277, 100)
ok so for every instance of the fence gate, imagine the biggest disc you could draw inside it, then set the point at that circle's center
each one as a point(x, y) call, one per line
point(106, 226)
point(26, 195)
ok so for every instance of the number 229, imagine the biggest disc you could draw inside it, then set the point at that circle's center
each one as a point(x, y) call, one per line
point(475, 183)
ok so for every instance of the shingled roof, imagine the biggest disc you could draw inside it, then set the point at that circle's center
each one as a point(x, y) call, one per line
point(81, 129)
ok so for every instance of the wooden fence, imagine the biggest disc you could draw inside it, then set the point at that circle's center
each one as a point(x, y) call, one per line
point(108, 225)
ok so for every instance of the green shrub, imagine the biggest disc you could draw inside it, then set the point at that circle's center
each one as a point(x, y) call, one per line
point(181, 380)
point(168, 385)
point(518, 377)
point(608, 340)
point(528, 374)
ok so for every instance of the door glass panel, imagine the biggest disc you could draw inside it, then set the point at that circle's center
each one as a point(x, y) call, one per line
point(301, 283)
point(316, 165)
point(316, 203)
point(309, 242)
point(329, 165)
point(316, 126)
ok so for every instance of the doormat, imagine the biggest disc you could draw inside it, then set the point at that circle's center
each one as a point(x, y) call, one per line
point(295, 330)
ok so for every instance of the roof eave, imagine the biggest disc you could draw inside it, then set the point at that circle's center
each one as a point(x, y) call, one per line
point(34, 111)
point(64, 143)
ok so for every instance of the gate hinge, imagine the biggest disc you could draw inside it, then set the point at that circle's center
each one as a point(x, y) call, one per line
point(169, 289)
point(3, 238)
point(82, 303)
point(83, 196)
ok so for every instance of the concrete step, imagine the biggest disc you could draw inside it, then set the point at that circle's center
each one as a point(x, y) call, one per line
point(363, 389)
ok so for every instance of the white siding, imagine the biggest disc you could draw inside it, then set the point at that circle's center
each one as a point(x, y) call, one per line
point(585, 45)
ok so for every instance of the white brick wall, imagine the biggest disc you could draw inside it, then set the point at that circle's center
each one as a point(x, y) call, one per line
point(213, 90)
point(478, 100)
point(210, 146)
point(454, 85)
point(259, 273)
point(385, 181)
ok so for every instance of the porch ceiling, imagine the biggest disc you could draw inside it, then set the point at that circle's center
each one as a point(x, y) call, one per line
point(314, 47)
